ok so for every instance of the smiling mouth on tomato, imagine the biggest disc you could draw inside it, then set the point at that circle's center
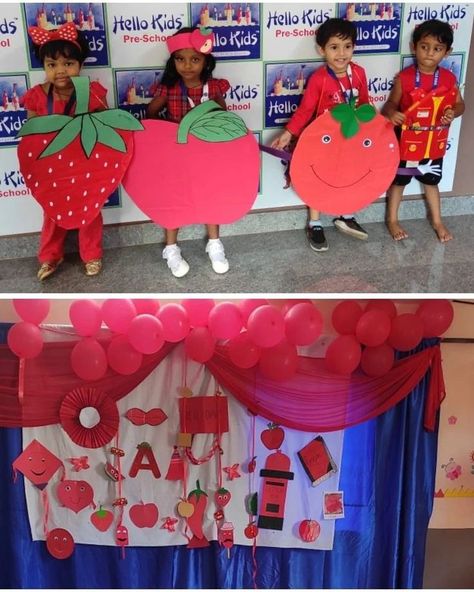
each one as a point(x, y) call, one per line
point(340, 186)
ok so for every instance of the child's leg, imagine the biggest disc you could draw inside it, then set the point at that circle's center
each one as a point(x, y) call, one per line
point(315, 232)
point(394, 198)
point(90, 245)
point(51, 247)
point(212, 231)
point(434, 204)
point(215, 249)
point(313, 215)
point(171, 236)
point(172, 253)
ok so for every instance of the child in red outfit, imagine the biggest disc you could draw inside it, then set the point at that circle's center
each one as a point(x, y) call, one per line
point(62, 54)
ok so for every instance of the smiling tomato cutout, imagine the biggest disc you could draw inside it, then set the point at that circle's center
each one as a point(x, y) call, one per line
point(75, 495)
point(37, 464)
point(60, 543)
point(345, 159)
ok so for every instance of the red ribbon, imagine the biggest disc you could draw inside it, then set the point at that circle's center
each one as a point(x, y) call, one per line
point(139, 417)
point(67, 32)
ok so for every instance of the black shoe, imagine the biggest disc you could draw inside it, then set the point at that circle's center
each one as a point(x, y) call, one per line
point(316, 238)
point(351, 227)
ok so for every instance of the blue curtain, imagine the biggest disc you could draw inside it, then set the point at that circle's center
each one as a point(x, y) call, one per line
point(387, 475)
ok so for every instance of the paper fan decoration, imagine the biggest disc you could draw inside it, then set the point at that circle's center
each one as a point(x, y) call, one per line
point(70, 411)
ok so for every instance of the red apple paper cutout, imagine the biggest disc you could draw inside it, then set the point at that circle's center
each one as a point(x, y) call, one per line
point(272, 438)
point(144, 515)
point(102, 519)
point(75, 495)
point(309, 530)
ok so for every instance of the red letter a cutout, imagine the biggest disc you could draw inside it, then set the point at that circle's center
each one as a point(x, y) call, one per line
point(144, 451)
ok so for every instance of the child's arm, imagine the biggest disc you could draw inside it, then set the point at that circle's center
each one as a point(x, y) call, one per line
point(156, 106)
point(219, 99)
point(282, 141)
point(30, 114)
point(390, 109)
point(456, 111)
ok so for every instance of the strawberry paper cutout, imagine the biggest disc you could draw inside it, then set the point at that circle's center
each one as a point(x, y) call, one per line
point(207, 139)
point(37, 464)
point(102, 519)
point(272, 438)
point(75, 495)
point(222, 497)
point(72, 164)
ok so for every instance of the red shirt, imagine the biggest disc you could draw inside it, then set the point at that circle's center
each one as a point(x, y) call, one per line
point(36, 99)
point(407, 81)
point(178, 106)
point(323, 91)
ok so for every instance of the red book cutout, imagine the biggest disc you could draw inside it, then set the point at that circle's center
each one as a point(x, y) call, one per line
point(317, 461)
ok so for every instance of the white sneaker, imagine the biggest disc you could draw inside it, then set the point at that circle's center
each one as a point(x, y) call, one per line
point(215, 250)
point(178, 266)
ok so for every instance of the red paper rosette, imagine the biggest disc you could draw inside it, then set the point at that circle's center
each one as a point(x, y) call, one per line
point(99, 435)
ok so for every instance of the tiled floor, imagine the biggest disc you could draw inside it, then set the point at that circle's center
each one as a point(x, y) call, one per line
point(279, 262)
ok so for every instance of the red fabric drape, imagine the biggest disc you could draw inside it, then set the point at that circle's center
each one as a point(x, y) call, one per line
point(314, 400)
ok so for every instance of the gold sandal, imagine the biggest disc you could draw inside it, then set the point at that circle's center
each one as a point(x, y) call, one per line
point(93, 267)
point(48, 268)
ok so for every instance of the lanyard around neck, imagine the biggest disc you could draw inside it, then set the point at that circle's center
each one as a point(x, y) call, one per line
point(347, 94)
point(204, 97)
point(435, 78)
point(69, 104)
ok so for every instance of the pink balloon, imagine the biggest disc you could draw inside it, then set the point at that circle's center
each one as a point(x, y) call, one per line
point(279, 362)
point(25, 340)
point(198, 311)
point(373, 327)
point(200, 344)
point(387, 306)
point(266, 326)
point(343, 355)
point(88, 359)
point(377, 361)
point(248, 306)
point(122, 357)
point(118, 314)
point(225, 320)
point(146, 334)
point(146, 305)
point(243, 352)
point(86, 317)
point(406, 332)
point(436, 316)
point(32, 311)
point(303, 324)
point(175, 321)
point(288, 305)
point(345, 316)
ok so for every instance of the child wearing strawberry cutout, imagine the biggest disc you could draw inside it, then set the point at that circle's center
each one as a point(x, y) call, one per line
point(187, 81)
point(62, 53)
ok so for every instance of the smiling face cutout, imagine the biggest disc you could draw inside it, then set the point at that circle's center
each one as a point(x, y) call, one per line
point(37, 464)
point(339, 175)
point(60, 543)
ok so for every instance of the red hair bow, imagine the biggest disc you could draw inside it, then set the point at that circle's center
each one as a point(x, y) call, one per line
point(67, 32)
point(153, 417)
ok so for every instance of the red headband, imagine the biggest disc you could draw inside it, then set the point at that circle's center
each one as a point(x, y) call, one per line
point(67, 32)
point(201, 40)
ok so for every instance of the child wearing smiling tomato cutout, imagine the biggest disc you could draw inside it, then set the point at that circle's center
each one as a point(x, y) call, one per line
point(187, 81)
point(339, 82)
point(435, 90)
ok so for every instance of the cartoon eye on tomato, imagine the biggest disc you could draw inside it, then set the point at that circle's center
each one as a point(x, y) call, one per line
point(344, 160)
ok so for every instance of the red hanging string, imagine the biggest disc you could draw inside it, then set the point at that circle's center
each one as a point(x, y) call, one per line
point(21, 380)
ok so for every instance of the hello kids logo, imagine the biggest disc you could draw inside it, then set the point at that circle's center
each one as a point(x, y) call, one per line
point(7, 29)
point(136, 29)
point(240, 96)
point(294, 23)
point(443, 12)
point(12, 113)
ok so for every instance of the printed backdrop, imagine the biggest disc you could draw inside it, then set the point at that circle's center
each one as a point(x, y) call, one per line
point(266, 51)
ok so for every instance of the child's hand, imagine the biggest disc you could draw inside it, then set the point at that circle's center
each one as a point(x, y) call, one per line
point(282, 141)
point(397, 118)
point(448, 116)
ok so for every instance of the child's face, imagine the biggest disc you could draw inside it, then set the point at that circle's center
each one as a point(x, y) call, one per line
point(338, 53)
point(189, 65)
point(59, 71)
point(429, 52)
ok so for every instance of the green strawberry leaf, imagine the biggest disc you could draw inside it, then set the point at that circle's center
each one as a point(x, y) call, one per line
point(88, 135)
point(350, 128)
point(65, 137)
point(209, 122)
point(43, 124)
point(119, 119)
point(108, 136)
point(342, 112)
point(365, 113)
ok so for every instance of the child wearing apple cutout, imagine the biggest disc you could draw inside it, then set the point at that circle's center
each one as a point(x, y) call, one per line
point(62, 53)
point(187, 81)
point(339, 82)
point(431, 43)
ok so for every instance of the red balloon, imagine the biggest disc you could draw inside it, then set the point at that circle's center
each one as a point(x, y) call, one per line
point(25, 340)
point(266, 326)
point(436, 316)
point(118, 313)
point(86, 317)
point(32, 311)
point(146, 305)
point(122, 357)
point(406, 332)
point(88, 359)
point(248, 306)
point(243, 352)
point(343, 355)
point(387, 306)
point(175, 322)
point(146, 334)
point(225, 320)
point(198, 311)
point(377, 361)
point(345, 317)
point(286, 307)
point(279, 362)
point(373, 327)
point(200, 344)
point(303, 324)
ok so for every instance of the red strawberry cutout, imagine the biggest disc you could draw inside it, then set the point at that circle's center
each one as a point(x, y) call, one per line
point(72, 164)
point(272, 438)
point(222, 497)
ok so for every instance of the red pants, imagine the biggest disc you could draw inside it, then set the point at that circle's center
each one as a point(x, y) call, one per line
point(53, 236)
